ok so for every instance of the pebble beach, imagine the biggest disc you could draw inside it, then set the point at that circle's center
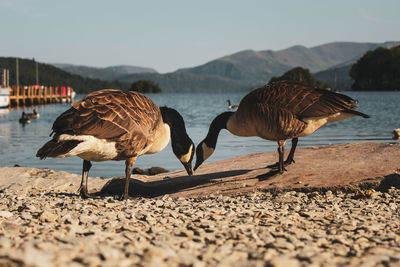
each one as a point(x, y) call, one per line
point(320, 213)
point(260, 229)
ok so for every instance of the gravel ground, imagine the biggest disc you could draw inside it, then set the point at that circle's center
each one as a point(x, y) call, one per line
point(262, 229)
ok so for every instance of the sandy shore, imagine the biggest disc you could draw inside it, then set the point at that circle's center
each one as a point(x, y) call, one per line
point(231, 213)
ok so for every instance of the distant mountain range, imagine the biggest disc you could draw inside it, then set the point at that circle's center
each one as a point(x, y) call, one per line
point(109, 73)
point(247, 69)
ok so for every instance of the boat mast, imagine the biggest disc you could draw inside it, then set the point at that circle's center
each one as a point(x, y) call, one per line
point(17, 72)
point(37, 74)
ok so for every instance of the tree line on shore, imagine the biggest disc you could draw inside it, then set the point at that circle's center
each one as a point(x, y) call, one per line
point(377, 70)
point(51, 76)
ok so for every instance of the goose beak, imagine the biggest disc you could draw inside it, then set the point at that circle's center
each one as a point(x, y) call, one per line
point(188, 168)
point(198, 163)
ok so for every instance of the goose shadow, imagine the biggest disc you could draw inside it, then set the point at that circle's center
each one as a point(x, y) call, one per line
point(163, 187)
point(270, 174)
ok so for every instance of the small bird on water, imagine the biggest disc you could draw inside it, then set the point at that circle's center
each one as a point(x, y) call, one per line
point(230, 106)
point(24, 119)
point(33, 115)
point(116, 125)
point(279, 111)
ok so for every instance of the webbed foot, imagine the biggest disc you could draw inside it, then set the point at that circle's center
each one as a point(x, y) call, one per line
point(84, 194)
point(124, 197)
point(270, 174)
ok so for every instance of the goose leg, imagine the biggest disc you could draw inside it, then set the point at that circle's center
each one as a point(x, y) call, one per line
point(281, 151)
point(83, 191)
point(279, 167)
point(128, 170)
point(290, 159)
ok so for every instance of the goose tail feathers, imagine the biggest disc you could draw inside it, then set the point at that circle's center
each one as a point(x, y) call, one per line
point(355, 112)
point(56, 148)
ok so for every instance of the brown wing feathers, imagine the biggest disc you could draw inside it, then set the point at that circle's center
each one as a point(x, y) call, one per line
point(328, 103)
point(283, 122)
point(305, 101)
point(108, 114)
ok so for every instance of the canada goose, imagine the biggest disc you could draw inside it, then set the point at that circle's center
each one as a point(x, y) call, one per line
point(33, 115)
point(116, 125)
point(279, 111)
point(231, 106)
point(24, 119)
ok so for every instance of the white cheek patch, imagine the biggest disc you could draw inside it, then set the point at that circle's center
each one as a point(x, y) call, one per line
point(186, 158)
point(207, 151)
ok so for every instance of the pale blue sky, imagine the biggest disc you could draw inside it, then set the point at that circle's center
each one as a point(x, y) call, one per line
point(172, 34)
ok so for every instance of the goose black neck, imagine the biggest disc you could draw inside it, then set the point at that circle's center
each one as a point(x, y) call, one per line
point(180, 140)
point(216, 126)
point(175, 121)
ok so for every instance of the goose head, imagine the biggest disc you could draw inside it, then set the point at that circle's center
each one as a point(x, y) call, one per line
point(184, 151)
point(182, 146)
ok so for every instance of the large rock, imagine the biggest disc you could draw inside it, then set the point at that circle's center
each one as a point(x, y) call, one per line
point(321, 168)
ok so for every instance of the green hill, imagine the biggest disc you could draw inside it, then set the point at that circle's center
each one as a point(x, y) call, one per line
point(377, 70)
point(301, 75)
point(52, 76)
point(147, 87)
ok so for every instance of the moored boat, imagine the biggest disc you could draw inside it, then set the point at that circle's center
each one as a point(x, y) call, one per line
point(4, 88)
point(4, 97)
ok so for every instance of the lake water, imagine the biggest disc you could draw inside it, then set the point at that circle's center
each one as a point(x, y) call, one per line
point(18, 144)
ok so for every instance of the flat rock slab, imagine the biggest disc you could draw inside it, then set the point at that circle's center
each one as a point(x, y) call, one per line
point(316, 168)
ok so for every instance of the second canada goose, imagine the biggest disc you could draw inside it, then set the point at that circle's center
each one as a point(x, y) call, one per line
point(116, 125)
point(279, 111)
point(33, 115)
point(230, 106)
point(24, 118)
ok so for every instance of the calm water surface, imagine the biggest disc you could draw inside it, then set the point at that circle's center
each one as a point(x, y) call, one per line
point(18, 144)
